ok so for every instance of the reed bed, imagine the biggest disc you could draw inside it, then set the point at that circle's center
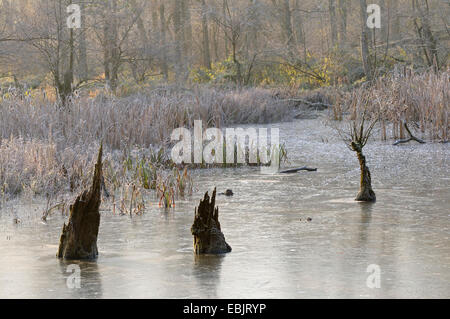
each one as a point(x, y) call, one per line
point(49, 150)
point(140, 120)
point(418, 99)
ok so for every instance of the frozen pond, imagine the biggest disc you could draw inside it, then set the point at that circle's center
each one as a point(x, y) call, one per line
point(277, 252)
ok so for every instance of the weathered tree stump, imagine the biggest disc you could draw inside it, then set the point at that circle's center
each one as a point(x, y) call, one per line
point(208, 237)
point(79, 236)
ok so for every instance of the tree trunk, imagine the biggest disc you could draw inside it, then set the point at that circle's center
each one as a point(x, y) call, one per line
point(287, 26)
point(206, 52)
point(115, 49)
point(187, 29)
point(425, 33)
point(155, 32)
point(342, 22)
point(137, 11)
point(254, 27)
point(298, 26)
point(111, 53)
point(79, 236)
point(208, 237)
point(65, 85)
point(82, 50)
point(63, 71)
point(393, 8)
point(384, 22)
point(106, 49)
point(333, 25)
point(162, 19)
point(365, 40)
point(215, 40)
point(238, 79)
point(225, 35)
point(179, 40)
point(366, 194)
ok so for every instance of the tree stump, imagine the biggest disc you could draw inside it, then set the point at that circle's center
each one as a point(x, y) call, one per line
point(79, 236)
point(208, 237)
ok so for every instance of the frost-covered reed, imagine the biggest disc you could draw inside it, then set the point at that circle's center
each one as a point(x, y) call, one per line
point(47, 149)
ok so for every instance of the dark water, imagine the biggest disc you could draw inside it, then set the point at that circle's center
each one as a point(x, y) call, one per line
point(277, 253)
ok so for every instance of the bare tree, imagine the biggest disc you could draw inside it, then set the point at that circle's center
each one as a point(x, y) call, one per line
point(282, 10)
point(423, 28)
point(54, 41)
point(356, 135)
point(147, 39)
point(233, 23)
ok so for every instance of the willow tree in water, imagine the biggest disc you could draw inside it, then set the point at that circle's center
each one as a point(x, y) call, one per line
point(356, 136)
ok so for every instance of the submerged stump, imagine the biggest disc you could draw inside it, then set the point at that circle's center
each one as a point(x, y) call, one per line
point(208, 237)
point(79, 236)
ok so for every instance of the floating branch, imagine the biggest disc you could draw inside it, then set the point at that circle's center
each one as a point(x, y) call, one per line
point(411, 137)
point(295, 170)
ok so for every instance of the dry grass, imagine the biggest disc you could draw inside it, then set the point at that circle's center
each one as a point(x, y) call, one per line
point(37, 168)
point(48, 150)
point(140, 120)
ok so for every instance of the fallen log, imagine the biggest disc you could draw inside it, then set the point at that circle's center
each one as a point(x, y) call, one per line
point(79, 237)
point(208, 237)
point(310, 104)
point(411, 137)
point(295, 170)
